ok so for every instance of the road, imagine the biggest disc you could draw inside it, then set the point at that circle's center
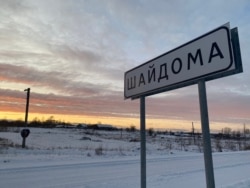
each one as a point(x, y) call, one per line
point(231, 170)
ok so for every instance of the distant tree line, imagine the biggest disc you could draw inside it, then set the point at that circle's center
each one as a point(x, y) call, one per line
point(48, 123)
point(51, 122)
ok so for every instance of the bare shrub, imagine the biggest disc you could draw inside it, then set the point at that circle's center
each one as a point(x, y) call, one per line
point(3, 129)
point(247, 147)
point(218, 145)
point(120, 149)
point(99, 150)
point(169, 145)
point(150, 131)
point(230, 145)
point(199, 144)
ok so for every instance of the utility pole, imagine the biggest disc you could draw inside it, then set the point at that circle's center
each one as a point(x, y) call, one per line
point(27, 106)
point(25, 132)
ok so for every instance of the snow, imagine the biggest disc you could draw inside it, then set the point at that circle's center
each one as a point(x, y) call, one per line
point(70, 158)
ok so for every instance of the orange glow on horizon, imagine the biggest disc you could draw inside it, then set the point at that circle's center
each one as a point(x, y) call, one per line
point(164, 124)
point(116, 121)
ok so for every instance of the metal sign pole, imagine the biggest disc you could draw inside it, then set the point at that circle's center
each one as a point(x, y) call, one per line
point(206, 135)
point(143, 142)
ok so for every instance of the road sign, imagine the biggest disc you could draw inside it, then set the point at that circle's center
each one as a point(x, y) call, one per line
point(207, 57)
point(210, 56)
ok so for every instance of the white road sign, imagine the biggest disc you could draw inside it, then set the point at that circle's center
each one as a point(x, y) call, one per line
point(202, 58)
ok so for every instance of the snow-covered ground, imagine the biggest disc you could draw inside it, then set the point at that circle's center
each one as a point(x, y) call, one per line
point(90, 159)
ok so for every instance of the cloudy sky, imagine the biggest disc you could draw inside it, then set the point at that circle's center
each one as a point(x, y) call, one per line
point(73, 55)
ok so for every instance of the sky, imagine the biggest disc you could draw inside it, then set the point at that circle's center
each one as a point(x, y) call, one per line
point(73, 55)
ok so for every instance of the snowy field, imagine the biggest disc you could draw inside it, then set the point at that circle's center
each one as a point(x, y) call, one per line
point(91, 159)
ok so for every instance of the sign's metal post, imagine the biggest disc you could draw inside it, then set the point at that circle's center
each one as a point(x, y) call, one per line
point(143, 142)
point(206, 135)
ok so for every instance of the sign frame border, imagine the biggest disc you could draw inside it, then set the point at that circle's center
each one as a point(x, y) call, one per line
point(235, 57)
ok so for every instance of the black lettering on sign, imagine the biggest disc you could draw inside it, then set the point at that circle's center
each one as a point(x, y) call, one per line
point(194, 58)
point(131, 83)
point(176, 67)
point(142, 80)
point(163, 72)
point(215, 51)
point(151, 75)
